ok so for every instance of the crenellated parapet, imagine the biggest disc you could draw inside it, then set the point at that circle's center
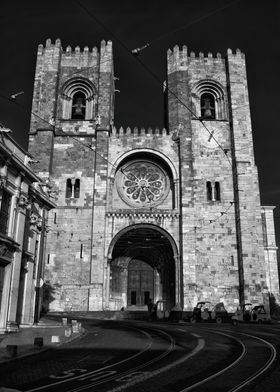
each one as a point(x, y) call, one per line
point(135, 132)
point(179, 60)
point(79, 57)
point(69, 51)
point(60, 74)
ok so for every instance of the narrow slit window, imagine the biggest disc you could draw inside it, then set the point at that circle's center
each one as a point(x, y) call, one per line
point(68, 188)
point(81, 251)
point(209, 190)
point(77, 189)
point(217, 192)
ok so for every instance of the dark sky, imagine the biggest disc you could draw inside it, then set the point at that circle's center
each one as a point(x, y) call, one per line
point(206, 26)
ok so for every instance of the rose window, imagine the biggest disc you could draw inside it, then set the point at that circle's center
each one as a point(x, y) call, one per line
point(142, 183)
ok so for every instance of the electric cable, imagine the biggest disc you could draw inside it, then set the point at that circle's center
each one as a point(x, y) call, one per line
point(88, 146)
point(155, 76)
point(199, 19)
point(150, 71)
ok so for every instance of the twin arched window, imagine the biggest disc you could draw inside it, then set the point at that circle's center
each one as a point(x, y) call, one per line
point(72, 188)
point(213, 191)
point(78, 100)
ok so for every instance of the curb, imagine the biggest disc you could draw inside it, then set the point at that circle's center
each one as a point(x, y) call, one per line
point(81, 334)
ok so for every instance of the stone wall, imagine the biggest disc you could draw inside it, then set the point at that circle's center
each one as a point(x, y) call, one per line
point(216, 240)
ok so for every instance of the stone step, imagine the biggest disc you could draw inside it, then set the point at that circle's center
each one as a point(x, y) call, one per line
point(102, 315)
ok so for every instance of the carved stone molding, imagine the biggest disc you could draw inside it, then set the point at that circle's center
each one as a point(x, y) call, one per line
point(3, 182)
point(23, 202)
point(6, 251)
point(144, 215)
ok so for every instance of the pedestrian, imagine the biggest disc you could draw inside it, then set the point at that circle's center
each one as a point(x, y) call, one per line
point(150, 306)
point(154, 312)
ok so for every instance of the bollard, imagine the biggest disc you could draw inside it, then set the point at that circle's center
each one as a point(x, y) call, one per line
point(38, 342)
point(12, 350)
point(55, 339)
point(64, 321)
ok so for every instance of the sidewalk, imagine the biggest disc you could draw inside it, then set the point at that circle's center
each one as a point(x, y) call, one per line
point(48, 333)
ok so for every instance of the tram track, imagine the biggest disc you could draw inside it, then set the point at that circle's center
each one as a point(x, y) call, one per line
point(262, 370)
point(177, 363)
point(231, 377)
point(230, 362)
point(111, 372)
point(244, 359)
point(133, 371)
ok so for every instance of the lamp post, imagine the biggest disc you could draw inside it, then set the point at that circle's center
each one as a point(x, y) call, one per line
point(180, 291)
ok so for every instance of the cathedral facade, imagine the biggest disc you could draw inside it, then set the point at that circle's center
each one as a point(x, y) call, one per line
point(171, 214)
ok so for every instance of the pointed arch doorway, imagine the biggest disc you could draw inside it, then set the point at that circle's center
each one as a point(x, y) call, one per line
point(142, 266)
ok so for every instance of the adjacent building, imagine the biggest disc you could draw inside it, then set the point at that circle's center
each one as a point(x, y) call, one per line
point(171, 214)
point(24, 206)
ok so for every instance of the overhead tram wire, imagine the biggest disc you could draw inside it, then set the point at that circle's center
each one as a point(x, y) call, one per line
point(225, 151)
point(150, 71)
point(155, 77)
point(190, 110)
point(87, 145)
point(93, 149)
point(199, 19)
point(54, 126)
point(90, 147)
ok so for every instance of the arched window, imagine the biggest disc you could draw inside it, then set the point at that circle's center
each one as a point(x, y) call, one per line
point(78, 106)
point(68, 188)
point(77, 188)
point(207, 106)
point(209, 190)
point(217, 193)
point(78, 100)
point(209, 100)
point(213, 191)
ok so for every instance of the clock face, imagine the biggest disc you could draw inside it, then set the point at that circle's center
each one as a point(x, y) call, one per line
point(142, 183)
point(210, 136)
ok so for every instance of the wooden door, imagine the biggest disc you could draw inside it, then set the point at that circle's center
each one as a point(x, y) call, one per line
point(140, 283)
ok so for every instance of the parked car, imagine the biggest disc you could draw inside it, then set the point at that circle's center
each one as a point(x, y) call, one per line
point(205, 311)
point(247, 313)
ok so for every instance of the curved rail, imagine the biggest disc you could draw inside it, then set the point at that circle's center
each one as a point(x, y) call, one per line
point(104, 374)
point(133, 375)
point(133, 370)
point(83, 374)
point(269, 362)
point(236, 362)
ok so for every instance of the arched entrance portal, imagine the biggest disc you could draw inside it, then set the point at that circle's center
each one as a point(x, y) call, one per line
point(142, 266)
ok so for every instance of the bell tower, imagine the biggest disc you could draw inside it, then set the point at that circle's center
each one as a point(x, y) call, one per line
point(72, 114)
point(222, 249)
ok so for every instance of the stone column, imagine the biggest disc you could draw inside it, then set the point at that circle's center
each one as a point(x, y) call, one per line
point(5, 298)
point(12, 324)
